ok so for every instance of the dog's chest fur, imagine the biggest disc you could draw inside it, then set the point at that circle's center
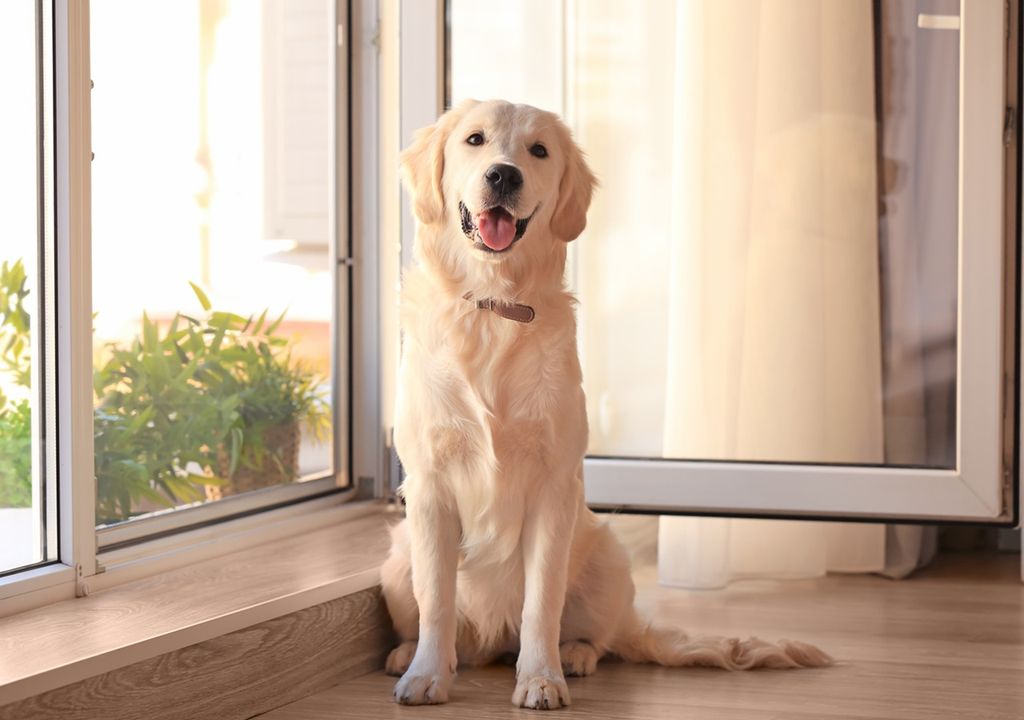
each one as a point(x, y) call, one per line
point(502, 403)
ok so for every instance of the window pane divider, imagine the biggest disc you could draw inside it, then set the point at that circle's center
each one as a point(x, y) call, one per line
point(74, 287)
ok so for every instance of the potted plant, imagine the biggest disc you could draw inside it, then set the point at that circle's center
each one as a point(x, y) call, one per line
point(208, 407)
point(276, 399)
point(157, 424)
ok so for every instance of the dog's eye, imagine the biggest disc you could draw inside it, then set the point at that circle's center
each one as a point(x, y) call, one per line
point(475, 139)
point(538, 150)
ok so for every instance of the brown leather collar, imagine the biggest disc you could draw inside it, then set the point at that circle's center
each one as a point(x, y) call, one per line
point(507, 310)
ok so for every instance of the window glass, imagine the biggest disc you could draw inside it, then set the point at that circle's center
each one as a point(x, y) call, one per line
point(212, 193)
point(22, 499)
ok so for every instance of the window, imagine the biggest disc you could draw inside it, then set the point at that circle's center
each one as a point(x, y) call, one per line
point(797, 242)
point(176, 287)
point(27, 497)
point(213, 252)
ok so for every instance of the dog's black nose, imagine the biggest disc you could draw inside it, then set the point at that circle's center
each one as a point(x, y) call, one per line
point(504, 178)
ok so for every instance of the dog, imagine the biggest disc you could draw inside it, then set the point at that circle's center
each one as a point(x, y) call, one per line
point(498, 553)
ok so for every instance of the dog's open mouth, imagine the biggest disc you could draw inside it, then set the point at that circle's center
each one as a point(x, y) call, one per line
point(495, 229)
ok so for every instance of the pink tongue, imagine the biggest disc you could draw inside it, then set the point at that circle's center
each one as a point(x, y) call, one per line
point(497, 228)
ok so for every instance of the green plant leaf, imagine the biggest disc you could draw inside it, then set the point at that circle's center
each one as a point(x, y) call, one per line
point(149, 334)
point(203, 300)
point(237, 438)
point(213, 480)
point(217, 341)
point(228, 320)
point(14, 323)
point(274, 325)
point(140, 420)
point(259, 322)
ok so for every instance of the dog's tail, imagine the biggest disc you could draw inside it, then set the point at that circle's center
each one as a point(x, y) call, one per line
point(647, 643)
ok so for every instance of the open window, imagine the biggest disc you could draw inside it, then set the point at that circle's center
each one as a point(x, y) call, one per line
point(798, 283)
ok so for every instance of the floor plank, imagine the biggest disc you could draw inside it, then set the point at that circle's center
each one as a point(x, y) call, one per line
point(947, 644)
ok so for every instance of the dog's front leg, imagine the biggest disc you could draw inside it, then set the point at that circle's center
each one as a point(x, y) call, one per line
point(547, 538)
point(434, 543)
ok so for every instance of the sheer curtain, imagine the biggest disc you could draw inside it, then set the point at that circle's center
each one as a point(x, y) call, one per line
point(775, 263)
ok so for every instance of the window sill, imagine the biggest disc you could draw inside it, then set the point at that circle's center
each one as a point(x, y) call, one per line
point(69, 641)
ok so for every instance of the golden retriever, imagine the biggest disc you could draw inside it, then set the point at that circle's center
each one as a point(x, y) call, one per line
point(498, 553)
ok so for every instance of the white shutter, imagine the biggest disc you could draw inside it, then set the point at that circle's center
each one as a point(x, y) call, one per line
point(297, 92)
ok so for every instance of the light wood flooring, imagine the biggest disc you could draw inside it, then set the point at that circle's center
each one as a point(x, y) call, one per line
point(948, 643)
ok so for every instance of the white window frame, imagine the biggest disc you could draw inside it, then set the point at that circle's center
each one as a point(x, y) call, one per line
point(69, 250)
point(979, 488)
point(412, 95)
point(89, 559)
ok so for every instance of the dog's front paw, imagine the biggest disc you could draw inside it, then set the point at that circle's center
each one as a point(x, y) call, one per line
point(545, 691)
point(579, 658)
point(416, 688)
point(400, 658)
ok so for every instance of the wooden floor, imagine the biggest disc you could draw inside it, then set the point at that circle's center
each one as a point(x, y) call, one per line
point(948, 643)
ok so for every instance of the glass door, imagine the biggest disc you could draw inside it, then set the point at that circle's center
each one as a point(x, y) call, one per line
point(793, 280)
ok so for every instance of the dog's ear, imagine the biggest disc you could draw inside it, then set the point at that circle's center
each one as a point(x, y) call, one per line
point(423, 165)
point(574, 193)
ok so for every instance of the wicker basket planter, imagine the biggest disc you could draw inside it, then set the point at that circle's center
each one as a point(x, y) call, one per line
point(282, 442)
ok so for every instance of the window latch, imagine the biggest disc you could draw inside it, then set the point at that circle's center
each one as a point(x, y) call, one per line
point(938, 22)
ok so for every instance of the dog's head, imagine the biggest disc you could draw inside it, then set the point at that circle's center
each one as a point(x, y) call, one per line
point(497, 184)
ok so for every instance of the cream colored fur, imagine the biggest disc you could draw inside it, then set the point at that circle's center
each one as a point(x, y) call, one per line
point(499, 554)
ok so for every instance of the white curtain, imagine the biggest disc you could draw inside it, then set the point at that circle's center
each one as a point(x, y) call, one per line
point(775, 268)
